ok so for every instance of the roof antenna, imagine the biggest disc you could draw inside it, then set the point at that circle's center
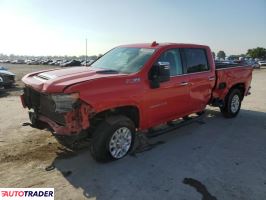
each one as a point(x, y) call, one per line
point(86, 53)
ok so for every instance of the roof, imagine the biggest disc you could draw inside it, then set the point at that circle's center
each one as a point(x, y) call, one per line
point(156, 45)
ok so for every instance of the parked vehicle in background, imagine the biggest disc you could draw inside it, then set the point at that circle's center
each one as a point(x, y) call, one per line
point(71, 63)
point(84, 63)
point(253, 63)
point(19, 61)
point(225, 62)
point(1, 82)
point(33, 62)
point(4, 61)
point(262, 63)
point(3, 68)
point(54, 62)
point(45, 62)
point(132, 88)
point(7, 78)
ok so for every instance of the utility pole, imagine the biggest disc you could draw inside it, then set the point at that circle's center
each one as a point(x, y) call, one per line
point(86, 54)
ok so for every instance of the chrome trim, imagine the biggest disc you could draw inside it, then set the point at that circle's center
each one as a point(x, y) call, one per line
point(164, 63)
point(46, 76)
point(191, 73)
point(183, 84)
point(39, 79)
point(235, 103)
point(120, 142)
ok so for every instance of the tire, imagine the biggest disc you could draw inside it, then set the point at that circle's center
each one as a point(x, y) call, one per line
point(232, 103)
point(35, 123)
point(105, 140)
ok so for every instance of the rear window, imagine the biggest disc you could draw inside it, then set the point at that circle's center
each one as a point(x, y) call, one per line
point(196, 60)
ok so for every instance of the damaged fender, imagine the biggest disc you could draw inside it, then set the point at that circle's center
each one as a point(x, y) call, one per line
point(75, 121)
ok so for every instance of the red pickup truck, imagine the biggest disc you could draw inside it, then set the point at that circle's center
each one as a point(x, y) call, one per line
point(132, 88)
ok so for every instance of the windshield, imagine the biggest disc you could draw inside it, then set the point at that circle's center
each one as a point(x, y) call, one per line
point(124, 59)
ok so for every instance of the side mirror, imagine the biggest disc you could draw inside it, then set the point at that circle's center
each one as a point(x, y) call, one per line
point(159, 73)
point(164, 71)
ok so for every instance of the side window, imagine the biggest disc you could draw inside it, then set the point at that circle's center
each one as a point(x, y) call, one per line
point(173, 57)
point(196, 60)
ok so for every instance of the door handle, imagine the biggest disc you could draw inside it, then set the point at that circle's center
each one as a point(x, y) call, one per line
point(211, 78)
point(183, 83)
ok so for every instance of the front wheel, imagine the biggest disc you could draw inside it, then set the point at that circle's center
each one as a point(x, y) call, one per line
point(232, 104)
point(113, 139)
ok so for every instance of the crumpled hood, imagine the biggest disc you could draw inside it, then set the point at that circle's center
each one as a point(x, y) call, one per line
point(55, 80)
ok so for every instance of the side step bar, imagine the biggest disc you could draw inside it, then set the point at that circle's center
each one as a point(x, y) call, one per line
point(173, 125)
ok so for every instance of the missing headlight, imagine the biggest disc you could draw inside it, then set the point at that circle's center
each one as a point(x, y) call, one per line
point(65, 102)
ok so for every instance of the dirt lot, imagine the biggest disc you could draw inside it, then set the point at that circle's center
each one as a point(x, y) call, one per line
point(226, 158)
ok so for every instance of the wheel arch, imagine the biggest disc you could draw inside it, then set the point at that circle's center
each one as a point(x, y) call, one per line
point(130, 111)
point(241, 87)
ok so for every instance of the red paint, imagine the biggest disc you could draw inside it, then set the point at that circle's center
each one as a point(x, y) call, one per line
point(101, 92)
point(76, 121)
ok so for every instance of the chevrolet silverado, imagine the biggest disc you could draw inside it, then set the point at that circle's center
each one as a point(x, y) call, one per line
point(132, 88)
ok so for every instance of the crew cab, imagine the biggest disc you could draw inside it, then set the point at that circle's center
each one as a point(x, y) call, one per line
point(132, 88)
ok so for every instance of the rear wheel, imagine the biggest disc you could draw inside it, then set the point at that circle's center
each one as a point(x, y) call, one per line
point(232, 104)
point(113, 139)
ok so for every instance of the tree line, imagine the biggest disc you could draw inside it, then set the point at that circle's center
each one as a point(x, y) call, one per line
point(258, 52)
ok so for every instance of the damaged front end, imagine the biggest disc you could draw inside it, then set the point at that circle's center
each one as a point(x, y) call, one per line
point(65, 114)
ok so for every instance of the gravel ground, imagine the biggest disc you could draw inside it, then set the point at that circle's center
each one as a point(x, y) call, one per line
point(211, 158)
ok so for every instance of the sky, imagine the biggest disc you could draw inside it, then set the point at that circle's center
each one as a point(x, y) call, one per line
point(60, 27)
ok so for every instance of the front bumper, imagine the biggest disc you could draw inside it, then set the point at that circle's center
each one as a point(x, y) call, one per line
point(69, 123)
point(7, 80)
point(75, 121)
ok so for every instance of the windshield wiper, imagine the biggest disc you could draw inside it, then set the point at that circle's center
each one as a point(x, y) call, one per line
point(107, 71)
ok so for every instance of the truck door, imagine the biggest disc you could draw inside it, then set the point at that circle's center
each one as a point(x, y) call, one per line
point(171, 99)
point(200, 77)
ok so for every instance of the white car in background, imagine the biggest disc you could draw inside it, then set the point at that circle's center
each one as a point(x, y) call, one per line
point(262, 63)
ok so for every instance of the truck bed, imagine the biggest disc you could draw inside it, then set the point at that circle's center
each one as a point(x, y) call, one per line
point(228, 75)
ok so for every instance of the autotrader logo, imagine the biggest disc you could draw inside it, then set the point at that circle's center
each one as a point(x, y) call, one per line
point(27, 193)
